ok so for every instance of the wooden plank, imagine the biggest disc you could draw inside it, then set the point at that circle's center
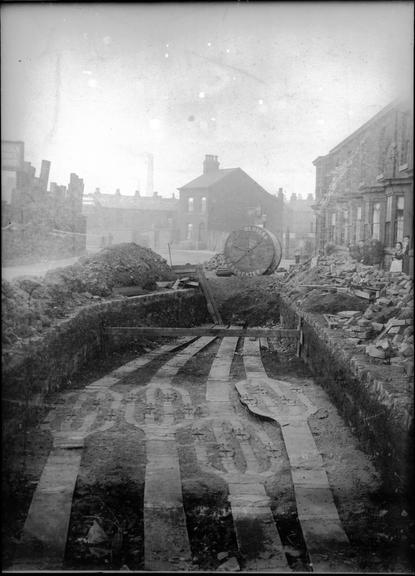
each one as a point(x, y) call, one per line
point(211, 304)
point(201, 331)
point(325, 538)
point(251, 506)
point(166, 540)
point(43, 541)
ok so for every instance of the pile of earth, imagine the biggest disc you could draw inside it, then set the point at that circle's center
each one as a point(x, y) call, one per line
point(251, 301)
point(31, 304)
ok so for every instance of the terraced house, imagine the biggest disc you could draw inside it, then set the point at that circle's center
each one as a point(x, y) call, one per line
point(364, 185)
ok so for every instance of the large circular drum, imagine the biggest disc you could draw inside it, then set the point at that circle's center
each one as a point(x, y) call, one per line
point(252, 251)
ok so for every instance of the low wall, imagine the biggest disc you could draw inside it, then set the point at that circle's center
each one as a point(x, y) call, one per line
point(47, 362)
point(374, 400)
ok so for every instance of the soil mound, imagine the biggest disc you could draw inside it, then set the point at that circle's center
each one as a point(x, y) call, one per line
point(125, 264)
point(31, 304)
point(250, 301)
point(332, 303)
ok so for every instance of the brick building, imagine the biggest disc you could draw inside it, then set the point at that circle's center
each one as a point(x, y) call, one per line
point(222, 200)
point(147, 220)
point(299, 226)
point(364, 185)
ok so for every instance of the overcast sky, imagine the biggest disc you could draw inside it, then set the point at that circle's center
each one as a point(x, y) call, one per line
point(265, 86)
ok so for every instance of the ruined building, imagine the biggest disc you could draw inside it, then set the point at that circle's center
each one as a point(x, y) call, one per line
point(364, 185)
point(221, 200)
point(37, 222)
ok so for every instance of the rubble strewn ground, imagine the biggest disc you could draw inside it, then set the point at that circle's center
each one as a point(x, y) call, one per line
point(217, 261)
point(374, 307)
point(31, 304)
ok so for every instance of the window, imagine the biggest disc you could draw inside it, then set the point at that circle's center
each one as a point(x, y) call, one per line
point(388, 218)
point(189, 232)
point(190, 204)
point(398, 228)
point(333, 227)
point(357, 228)
point(204, 204)
point(376, 221)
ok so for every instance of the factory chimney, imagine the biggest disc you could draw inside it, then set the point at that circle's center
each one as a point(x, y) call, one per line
point(149, 167)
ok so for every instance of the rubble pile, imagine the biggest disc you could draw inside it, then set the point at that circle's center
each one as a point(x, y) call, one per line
point(217, 261)
point(373, 307)
point(31, 304)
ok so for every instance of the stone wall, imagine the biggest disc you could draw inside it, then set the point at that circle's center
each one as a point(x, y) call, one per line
point(374, 400)
point(47, 363)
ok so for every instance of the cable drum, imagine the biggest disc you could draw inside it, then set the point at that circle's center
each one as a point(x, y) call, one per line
point(252, 251)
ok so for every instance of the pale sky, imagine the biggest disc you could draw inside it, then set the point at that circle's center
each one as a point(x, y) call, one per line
point(266, 86)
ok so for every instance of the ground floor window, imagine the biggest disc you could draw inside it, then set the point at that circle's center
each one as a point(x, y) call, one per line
point(398, 228)
point(358, 225)
point(189, 232)
point(332, 227)
point(376, 221)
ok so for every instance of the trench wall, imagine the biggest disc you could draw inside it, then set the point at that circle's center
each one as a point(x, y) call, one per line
point(47, 363)
point(378, 407)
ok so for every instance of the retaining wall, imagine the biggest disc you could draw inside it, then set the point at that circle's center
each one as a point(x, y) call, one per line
point(47, 362)
point(376, 401)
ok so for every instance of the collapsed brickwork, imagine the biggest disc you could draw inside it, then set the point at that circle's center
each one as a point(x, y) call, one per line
point(40, 222)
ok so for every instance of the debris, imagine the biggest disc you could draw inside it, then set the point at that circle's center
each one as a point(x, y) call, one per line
point(222, 555)
point(96, 535)
point(375, 352)
point(230, 565)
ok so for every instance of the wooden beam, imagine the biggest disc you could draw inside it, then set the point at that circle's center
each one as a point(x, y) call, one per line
point(201, 331)
point(211, 304)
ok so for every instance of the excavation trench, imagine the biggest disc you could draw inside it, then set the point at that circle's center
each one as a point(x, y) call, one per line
point(230, 502)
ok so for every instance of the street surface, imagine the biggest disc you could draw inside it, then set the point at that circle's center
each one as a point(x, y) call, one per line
point(178, 257)
point(204, 454)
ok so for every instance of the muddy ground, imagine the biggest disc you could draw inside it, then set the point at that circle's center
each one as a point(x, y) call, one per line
point(110, 485)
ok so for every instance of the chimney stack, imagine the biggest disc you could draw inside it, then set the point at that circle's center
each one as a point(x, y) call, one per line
point(210, 164)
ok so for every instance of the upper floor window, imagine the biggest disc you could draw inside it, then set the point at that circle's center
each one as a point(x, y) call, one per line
point(190, 204)
point(203, 204)
point(359, 213)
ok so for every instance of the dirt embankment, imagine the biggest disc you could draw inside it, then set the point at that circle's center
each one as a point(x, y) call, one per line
point(250, 301)
point(32, 304)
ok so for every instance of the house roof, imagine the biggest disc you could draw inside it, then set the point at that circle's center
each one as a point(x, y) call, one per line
point(130, 202)
point(206, 180)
